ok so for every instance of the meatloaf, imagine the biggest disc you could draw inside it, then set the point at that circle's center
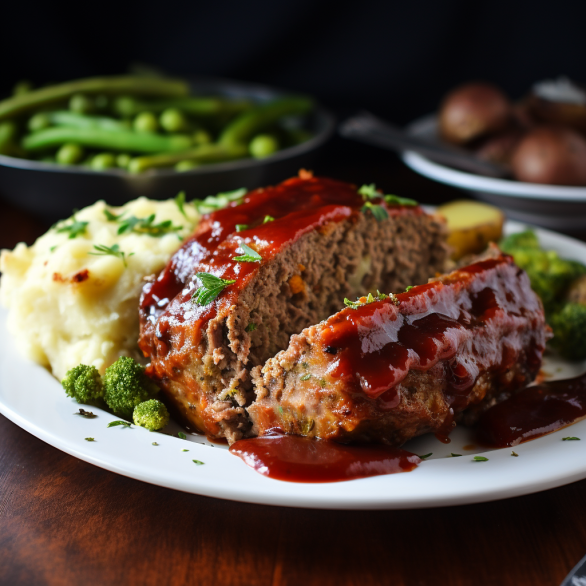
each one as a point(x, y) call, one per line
point(390, 369)
point(258, 272)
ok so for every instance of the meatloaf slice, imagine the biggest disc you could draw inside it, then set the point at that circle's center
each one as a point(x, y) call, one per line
point(396, 368)
point(310, 244)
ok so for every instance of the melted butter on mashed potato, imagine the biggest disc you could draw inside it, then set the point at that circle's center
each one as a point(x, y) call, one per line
point(69, 307)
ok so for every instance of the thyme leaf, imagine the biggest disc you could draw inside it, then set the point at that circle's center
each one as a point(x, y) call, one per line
point(250, 255)
point(180, 202)
point(268, 219)
point(147, 226)
point(75, 229)
point(211, 287)
point(377, 211)
point(116, 423)
point(114, 250)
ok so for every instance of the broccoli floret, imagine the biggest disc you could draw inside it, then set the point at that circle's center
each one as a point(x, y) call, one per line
point(569, 329)
point(84, 384)
point(151, 414)
point(549, 274)
point(126, 385)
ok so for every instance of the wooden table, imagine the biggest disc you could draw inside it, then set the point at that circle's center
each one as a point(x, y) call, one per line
point(63, 521)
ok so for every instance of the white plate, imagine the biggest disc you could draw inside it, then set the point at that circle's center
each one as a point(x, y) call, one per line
point(31, 398)
point(552, 206)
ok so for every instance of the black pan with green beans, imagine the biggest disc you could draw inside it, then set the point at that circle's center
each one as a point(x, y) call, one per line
point(140, 124)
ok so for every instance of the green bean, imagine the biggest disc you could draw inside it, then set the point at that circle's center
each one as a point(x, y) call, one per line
point(96, 85)
point(69, 154)
point(103, 161)
point(73, 120)
point(263, 145)
point(145, 122)
point(8, 132)
point(81, 104)
point(245, 126)
point(186, 166)
point(119, 140)
point(196, 106)
point(206, 153)
point(173, 120)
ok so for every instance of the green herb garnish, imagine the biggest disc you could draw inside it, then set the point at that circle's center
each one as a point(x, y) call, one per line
point(407, 289)
point(52, 249)
point(114, 250)
point(155, 444)
point(480, 459)
point(147, 226)
point(250, 255)
point(110, 216)
point(75, 229)
point(514, 454)
point(241, 227)
point(213, 203)
point(425, 456)
point(570, 439)
point(181, 435)
point(402, 201)
point(89, 439)
point(116, 423)
point(211, 287)
point(185, 450)
point(268, 219)
point(86, 414)
point(306, 377)
point(251, 327)
point(369, 192)
point(180, 202)
point(377, 211)
point(370, 298)
point(198, 462)
point(455, 455)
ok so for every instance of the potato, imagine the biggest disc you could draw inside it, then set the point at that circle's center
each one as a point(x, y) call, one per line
point(499, 149)
point(472, 111)
point(552, 155)
point(472, 225)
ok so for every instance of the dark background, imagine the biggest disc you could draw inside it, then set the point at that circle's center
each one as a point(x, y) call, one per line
point(395, 58)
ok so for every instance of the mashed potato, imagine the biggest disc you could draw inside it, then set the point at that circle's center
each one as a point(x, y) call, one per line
point(73, 295)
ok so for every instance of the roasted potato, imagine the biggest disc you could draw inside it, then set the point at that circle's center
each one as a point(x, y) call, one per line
point(552, 155)
point(472, 225)
point(473, 111)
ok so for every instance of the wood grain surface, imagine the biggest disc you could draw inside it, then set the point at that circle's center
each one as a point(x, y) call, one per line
point(66, 522)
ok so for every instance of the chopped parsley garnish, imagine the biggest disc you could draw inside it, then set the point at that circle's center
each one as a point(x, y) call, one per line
point(147, 226)
point(407, 289)
point(268, 219)
point(251, 327)
point(52, 249)
point(155, 444)
point(185, 450)
point(198, 462)
point(377, 211)
point(75, 229)
point(426, 456)
point(370, 298)
point(181, 435)
point(112, 217)
point(514, 454)
point(480, 459)
point(241, 227)
point(306, 377)
point(570, 439)
point(213, 203)
point(180, 202)
point(401, 201)
point(89, 439)
point(250, 255)
point(116, 423)
point(86, 414)
point(211, 287)
point(455, 455)
point(114, 250)
point(369, 191)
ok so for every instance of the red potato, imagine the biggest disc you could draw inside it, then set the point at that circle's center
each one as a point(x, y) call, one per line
point(552, 155)
point(564, 114)
point(473, 111)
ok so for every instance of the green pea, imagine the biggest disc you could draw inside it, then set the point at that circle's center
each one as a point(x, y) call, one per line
point(69, 154)
point(146, 122)
point(185, 166)
point(173, 120)
point(103, 161)
point(38, 122)
point(263, 145)
point(201, 137)
point(124, 106)
point(123, 160)
point(81, 104)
